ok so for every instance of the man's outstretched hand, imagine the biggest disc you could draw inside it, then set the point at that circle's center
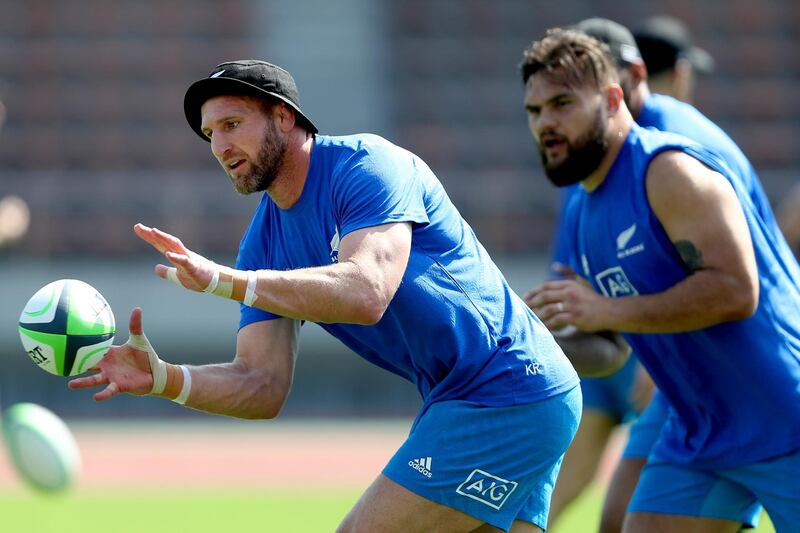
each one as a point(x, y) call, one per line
point(191, 270)
point(123, 368)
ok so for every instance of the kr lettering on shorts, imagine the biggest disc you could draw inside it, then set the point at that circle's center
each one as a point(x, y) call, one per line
point(487, 488)
point(533, 369)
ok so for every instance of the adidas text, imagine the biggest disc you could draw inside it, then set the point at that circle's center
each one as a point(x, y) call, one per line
point(422, 466)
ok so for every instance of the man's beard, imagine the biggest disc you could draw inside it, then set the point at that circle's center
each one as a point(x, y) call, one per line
point(266, 166)
point(583, 156)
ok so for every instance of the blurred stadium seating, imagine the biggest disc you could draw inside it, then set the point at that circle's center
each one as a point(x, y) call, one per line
point(96, 139)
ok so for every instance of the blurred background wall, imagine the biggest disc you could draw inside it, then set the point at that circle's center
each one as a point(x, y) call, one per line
point(95, 140)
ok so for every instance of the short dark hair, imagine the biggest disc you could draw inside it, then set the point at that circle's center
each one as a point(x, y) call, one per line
point(571, 57)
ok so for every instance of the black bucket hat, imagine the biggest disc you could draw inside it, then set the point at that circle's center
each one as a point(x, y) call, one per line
point(248, 77)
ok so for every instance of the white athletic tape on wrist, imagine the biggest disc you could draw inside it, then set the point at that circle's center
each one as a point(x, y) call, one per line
point(212, 285)
point(187, 386)
point(215, 286)
point(223, 288)
point(157, 367)
point(250, 292)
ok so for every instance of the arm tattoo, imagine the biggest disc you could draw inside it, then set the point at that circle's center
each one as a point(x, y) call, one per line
point(691, 256)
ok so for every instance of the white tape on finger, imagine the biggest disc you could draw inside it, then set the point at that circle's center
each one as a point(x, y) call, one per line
point(157, 367)
point(172, 275)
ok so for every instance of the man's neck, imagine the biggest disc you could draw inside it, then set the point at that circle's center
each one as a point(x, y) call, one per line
point(618, 132)
point(285, 191)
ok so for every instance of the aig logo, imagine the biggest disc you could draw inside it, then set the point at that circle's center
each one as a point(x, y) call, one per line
point(614, 283)
point(486, 488)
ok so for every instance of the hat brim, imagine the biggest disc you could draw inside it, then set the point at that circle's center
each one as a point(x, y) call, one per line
point(701, 60)
point(200, 91)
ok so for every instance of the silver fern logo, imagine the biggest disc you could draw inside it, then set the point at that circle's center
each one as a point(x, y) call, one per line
point(625, 236)
point(622, 241)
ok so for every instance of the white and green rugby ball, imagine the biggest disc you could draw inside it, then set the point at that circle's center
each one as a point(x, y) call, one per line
point(66, 327)
point(41, 447)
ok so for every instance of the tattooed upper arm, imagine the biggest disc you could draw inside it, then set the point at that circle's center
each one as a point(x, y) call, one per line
point(692, 257)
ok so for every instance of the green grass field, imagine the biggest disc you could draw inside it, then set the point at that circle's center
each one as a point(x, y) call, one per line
point(196, 511)
point(204, 511)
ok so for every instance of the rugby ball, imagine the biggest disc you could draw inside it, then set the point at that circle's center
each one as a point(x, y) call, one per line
point(41, 447)
point(66, 327)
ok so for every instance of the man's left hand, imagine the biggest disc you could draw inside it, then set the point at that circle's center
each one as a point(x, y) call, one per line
point(190, 270)
point(561, 303)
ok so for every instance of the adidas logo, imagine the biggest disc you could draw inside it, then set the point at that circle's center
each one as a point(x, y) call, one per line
point(422, 465)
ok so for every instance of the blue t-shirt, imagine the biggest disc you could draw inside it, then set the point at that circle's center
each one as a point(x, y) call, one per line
point(665, 113)
point(734, 387)
point(454, 327)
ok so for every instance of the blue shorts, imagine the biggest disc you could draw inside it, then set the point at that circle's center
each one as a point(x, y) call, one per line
point(612, 394)
point(735, 494)
point(646, 429)
point(498, 464)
